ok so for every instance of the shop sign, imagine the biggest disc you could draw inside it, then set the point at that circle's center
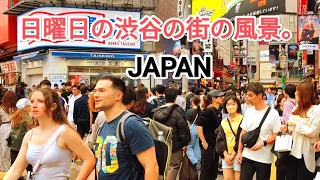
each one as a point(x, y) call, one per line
point(264, 56)
point(308, 32)
point(268, 71)
point(207, 46)
point(8, 67)
point(71, 27)
point(71, 54)
point(58, 79)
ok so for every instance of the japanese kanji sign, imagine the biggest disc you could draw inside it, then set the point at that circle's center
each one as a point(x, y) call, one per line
point(74, 27)
point(9, 66)
point(68, 27)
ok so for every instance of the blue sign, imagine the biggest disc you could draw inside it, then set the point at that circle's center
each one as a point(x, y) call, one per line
point(94, 55)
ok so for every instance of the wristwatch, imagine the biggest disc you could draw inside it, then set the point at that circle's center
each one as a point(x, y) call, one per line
point(265, 143)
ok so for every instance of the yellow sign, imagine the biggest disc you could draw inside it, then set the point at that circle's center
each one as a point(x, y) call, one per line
point(214, 8)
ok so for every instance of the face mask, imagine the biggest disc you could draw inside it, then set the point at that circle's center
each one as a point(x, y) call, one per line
point(231, 109)
point(279, 93)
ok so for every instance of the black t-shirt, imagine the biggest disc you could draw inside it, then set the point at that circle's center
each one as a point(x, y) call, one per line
point(192, 114)
point(210, 120)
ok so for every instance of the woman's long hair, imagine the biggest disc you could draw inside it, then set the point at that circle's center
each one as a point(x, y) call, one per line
point(280, 97)
point(141, 102)
point(9, 102)
point(19, 116)
point(306, 98)
point(51, 97)
point(92, 103)
point(196, 101)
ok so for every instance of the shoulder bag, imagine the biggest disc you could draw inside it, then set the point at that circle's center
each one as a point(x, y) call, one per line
point(250, 138)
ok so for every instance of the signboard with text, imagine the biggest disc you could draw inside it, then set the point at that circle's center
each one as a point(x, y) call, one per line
point(9, 67)
point(74, 27)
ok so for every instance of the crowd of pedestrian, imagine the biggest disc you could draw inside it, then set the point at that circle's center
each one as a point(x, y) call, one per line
point(44, 129)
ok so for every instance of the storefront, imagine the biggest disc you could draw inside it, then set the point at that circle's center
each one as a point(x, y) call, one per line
point(268, 75)
point(83, 67)
point(70, 59)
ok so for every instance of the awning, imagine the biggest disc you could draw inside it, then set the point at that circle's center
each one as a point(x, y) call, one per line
point(96, 55)
point(23, 6)
point(26, 56)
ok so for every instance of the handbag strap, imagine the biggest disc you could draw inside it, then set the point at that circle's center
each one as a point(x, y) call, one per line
point(47, 146)
point(264, 117)
point(231, 127)
point(194, 121)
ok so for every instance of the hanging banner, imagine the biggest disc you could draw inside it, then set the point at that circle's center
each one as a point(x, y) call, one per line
point(302, 7)
point(292, 52)
point(308, 32)
point(304, 58)
point(299, 59)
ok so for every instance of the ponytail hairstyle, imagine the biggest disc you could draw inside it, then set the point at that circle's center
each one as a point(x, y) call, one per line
point(196, 101)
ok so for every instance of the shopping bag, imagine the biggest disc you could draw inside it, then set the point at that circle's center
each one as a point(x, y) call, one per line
point(187, 171)
point(283, 143)
point(74, 170)
point(88, 140)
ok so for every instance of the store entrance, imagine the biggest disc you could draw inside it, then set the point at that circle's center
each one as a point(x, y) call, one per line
point(91, 74)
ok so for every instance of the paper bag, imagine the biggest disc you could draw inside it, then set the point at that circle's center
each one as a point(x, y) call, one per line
point(283, 143)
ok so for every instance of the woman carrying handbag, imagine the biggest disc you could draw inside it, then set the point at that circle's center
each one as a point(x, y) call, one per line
point(304, 122)
point(50, 146)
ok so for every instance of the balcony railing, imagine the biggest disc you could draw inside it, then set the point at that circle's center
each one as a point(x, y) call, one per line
point(26, 5)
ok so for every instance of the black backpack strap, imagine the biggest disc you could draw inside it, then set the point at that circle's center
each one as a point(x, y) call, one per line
point(231, 127)
point(264, 117)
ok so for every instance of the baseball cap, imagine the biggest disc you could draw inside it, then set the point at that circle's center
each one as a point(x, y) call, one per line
point(215, 93)
point(22, 103)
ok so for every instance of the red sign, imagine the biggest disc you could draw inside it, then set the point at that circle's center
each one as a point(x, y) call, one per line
point(302, 7)
point(263, 43)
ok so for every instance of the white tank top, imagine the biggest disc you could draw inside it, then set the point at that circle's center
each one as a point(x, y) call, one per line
point(55, 164)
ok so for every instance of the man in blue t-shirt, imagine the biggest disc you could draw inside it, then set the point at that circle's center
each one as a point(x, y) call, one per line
point(113, 160)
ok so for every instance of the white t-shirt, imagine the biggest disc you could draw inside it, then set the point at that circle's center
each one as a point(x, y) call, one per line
point(271, 125)
point(72, 99)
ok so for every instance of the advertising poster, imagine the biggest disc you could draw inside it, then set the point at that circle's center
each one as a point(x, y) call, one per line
point(254, 8)
point(308, 32)
point(292, 52)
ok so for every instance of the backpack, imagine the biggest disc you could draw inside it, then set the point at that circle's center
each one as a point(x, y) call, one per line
point(163, 149)
point(157, 103)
